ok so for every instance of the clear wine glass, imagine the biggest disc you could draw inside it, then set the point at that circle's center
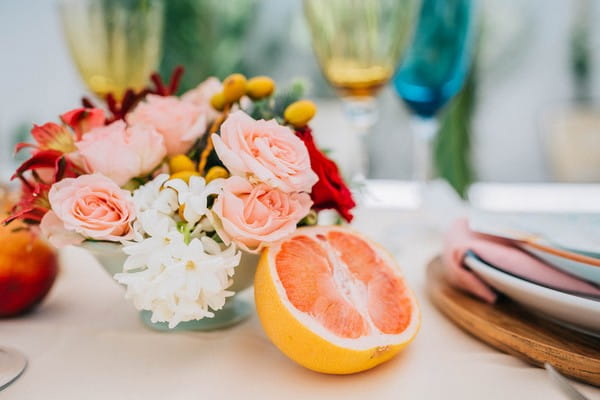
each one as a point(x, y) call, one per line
point(358, 44)
point(115, 44)
point(12, 365)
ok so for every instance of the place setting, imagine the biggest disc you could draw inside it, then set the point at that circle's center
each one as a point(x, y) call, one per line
point(522, 298)
point(196, 213)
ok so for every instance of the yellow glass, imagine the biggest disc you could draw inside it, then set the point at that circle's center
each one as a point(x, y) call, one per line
point(116, 44)
point(359, 43)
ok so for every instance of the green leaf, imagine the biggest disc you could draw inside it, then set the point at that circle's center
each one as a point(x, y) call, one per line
point(453, 144)
point(206, 37)
point(287, 96)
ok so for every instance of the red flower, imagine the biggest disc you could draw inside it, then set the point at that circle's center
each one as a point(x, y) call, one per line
point(330, 192)
point(49, 155)
point(33, 203)
point(52, 161)
point(161, 88)
point(83, 120)
point(50, 136)
point(48, 164)
point(120, 107)
point(37, 176)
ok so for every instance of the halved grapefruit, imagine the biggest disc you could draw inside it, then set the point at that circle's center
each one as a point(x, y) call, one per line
point(334, 301)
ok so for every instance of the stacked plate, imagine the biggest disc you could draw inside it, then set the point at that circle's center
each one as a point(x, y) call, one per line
point(569, 242)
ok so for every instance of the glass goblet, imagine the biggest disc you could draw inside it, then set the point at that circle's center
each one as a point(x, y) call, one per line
point(434, 71)
point(115, 44)
point(358, 44)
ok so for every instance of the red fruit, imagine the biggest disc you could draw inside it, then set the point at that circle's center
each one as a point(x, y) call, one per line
point(28, 268)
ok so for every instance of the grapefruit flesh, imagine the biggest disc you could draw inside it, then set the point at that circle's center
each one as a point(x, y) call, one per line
point(334, 301)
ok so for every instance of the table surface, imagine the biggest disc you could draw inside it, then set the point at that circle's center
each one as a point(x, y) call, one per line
point(86, 342)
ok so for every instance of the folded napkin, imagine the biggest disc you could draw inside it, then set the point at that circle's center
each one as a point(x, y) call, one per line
point(503, 255)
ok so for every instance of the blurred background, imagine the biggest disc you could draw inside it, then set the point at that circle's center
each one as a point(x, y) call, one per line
point(527, 112)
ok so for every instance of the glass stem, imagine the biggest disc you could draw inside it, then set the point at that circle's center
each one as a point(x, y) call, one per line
point(362, 114)
point(424, 133)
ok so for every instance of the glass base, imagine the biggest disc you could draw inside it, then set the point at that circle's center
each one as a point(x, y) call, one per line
point(233, 312)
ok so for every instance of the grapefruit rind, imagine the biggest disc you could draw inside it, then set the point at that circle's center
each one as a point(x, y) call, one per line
point(309, 343)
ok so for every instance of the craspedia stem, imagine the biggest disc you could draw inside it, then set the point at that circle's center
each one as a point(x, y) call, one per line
point(209, 144)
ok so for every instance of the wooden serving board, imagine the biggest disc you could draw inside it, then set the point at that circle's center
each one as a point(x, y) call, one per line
point(510, 328)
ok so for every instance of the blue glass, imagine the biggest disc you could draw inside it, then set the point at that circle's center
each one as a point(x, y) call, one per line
point(439, 56)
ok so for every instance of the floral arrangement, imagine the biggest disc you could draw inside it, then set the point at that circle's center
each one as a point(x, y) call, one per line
point(184, 183)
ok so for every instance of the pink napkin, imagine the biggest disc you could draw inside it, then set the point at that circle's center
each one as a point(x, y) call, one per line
point(502, 254)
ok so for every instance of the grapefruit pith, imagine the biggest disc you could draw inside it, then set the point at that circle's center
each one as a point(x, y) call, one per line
point(334, 301)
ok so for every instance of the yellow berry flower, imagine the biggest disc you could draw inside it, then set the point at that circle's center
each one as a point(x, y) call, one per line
point(234, 87)
point(215, 173)
point(260, 87)
point(300, 112)
point(181, 163)
point(217, 101)
point(184, 175)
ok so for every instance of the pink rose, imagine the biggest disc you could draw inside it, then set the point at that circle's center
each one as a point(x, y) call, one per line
point(180, 122)
point(265, 151)
point(121, 152)
point(91, 206)
point(201, 95)
point(253, 216)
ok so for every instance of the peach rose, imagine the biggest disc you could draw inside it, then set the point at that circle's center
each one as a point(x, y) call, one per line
point(264, 151)
point(91, 206)
point(180, 122)
point(121, 152)
point(253, 216)
point(201, 95)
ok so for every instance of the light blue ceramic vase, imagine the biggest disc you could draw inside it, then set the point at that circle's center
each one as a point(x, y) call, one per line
point(112, 258)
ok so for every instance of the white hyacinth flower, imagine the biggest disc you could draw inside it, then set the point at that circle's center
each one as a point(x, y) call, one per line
point(155, 207)
point(194, 196)
point(156, 249)
point(173, 268)
point(151, 196)
point(178, 281)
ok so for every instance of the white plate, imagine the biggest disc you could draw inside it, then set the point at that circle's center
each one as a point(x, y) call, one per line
point(575, 232)
point(575, 311)
point(588, 272)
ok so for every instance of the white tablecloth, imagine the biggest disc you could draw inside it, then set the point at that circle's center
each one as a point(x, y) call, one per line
point(86, 342)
